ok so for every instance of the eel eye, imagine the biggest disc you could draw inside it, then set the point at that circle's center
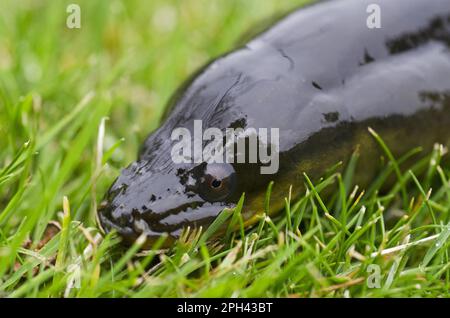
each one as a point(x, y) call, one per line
point(218, 182)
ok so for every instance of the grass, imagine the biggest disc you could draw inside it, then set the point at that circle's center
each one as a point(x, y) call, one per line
point(76, 103)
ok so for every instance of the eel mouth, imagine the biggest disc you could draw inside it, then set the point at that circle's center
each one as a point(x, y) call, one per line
point(130, 227)
point(152, 225)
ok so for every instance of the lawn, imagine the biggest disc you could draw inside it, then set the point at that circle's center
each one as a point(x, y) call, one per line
point(75, 105)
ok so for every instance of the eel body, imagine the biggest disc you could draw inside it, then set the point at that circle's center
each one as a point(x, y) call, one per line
point(321, 76)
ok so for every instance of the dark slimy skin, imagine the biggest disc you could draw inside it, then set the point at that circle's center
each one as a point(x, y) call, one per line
point(321, 76)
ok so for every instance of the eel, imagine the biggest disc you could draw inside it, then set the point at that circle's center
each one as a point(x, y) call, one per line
point(321, 76)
